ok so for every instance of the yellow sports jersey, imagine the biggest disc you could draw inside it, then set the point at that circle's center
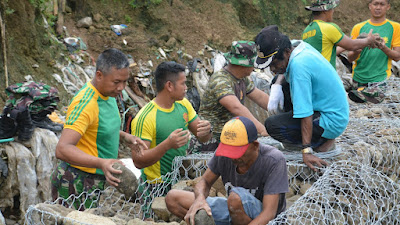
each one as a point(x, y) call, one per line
point(97, 119)
point(373, 65)
point(155, 124)
point(324, 36)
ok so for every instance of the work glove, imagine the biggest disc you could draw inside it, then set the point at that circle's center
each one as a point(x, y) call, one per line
point(275, 104)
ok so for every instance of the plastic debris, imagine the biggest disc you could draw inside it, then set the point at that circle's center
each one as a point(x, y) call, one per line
point(118, 28)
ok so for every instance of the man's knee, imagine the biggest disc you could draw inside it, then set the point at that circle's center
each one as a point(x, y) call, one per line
point(171, 199)
point(234, 203)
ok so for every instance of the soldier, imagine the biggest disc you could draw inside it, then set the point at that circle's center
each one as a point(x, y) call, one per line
point(89, 142)
point(227, 89)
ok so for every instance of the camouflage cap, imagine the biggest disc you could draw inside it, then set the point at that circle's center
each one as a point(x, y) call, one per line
point(243, 53)
point(322, 5)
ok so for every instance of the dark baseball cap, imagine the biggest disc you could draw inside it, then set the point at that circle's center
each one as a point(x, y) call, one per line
point(267, 42)
point(236, 136)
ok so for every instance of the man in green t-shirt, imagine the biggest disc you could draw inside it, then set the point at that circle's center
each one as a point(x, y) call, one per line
point(164, 124)
point(372, 67)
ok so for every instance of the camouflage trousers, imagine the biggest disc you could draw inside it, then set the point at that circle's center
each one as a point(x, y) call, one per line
point(71, 186)
point(195, 146)
point(369, 92)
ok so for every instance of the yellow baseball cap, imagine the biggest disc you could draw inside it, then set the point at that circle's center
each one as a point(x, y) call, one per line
point(236, 136)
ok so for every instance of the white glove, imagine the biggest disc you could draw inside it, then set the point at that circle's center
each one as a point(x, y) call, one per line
point(275, 104)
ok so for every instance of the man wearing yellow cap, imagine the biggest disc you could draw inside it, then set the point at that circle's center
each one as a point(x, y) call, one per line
point(254, 175)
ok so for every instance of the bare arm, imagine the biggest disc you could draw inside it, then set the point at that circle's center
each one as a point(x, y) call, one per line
point(233, 105)
point(393, 54)
point(353, 55)
point(134, 143)
point(306, 130)
point(270, 207)
point(67, 151)
point(356, 44)
point(176, 139)
point(306, 134)
point(201, 129)
point(201, 192)
point(260, 98)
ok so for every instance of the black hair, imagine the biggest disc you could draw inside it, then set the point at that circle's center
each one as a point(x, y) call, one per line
point(284, 43)
point(167, 71)
point(388, 1)
point(111, 58)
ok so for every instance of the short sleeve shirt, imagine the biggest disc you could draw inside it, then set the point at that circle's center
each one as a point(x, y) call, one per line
point(373, 65)
point(312, 92)
point(324, 36)
point(155, 124)
point(97, 119)
point(267, 176)
point(221, 84)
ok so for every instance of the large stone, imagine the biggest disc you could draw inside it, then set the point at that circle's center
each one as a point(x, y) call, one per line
point(85, 22)
point(160, 209)
point(49, 213)
point(304, 187)
point(129, 182)
point(202, 218)
point(82, 217)
point(136, 221)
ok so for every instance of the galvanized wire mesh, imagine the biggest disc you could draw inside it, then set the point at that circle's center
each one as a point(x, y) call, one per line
point(361, 185)
point(111, 203)
point(349, 192)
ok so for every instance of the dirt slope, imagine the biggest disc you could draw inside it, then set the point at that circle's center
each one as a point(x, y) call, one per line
point(184, 25)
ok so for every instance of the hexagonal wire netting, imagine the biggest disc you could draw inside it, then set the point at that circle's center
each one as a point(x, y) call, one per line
point(361, 185)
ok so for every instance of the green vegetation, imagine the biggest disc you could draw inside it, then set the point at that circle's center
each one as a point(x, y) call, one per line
point(143, 3)
point(38, 3)
point(128, 19)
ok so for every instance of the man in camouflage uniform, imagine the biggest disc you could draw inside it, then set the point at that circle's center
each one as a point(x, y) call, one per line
point(89, 143)
point(227, 89)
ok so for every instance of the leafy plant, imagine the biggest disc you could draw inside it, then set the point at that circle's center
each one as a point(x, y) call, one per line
point(128, 19)
point(143, 3)
point(9, 11)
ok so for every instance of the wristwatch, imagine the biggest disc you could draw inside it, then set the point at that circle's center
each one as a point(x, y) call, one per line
point(307, 150)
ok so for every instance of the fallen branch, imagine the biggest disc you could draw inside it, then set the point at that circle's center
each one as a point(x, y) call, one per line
point(138, 100)
point(3, 41)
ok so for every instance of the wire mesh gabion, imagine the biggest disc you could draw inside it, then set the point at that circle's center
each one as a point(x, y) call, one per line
point(112, 204)
point(349, 192)
point(361, 185)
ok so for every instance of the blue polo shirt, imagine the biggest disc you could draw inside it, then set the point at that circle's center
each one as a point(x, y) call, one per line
point(316, 86)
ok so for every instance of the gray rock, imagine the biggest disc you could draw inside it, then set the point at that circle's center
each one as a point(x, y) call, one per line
point(129, 182)
point(160, 209)
point(87, 218)
point(85, 22)
point(202, 218)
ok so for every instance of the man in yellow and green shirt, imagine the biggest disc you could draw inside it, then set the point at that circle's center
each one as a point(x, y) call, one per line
point(164, 124)
point(89, 143)
point(324, 35)
point(372, 67)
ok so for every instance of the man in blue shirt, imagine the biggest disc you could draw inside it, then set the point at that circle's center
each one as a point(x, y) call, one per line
point(320, 108)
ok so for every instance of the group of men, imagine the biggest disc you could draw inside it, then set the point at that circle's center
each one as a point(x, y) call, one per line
point(255, 174)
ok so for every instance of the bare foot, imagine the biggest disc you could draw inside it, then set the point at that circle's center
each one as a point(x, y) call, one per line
point(326, 146)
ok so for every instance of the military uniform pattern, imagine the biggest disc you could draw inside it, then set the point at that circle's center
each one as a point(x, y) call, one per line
point(243, 53)
point(67, 181)
point(220, 85)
